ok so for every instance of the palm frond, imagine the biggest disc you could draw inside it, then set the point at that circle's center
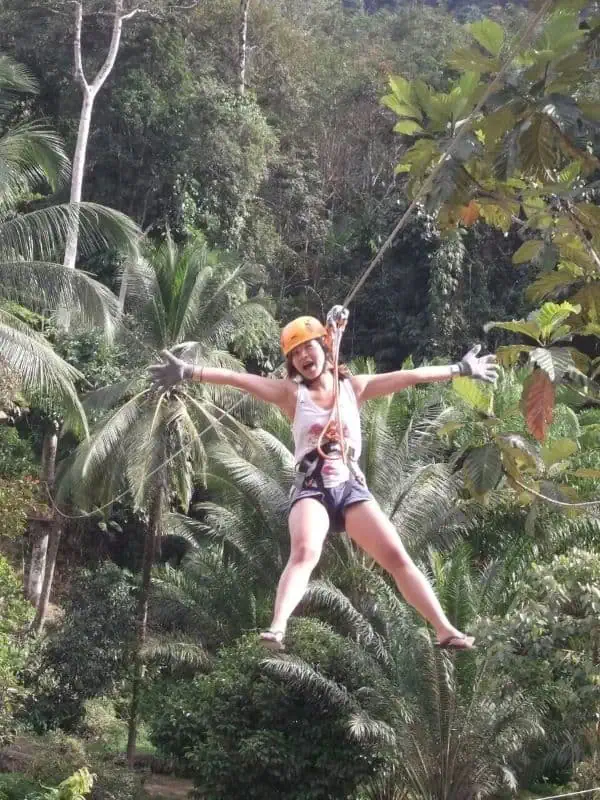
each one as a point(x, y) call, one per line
point(366, 729)
point(31, 157)
point(322, 594)
point(97, 458)
point(107, 397)
point(40, 369)
point(174, 653)
point(183, 527)
point(15, 77)
point(41, 234)
point(267, 496)
point(49, 287)
point(240, 318)
point(300, 676)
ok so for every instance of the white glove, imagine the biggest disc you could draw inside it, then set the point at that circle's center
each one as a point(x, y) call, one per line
point(481, 369)
point(165, 376)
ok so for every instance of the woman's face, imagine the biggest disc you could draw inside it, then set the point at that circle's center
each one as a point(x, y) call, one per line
point(309, 359)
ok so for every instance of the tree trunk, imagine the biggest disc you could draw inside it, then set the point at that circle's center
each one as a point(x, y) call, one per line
point(90, 90)
point(152, 536)
point(243, 45)
point(48, 543)
point(41, 529)
point(83, 135)
point(39, 535)
point(42, 609)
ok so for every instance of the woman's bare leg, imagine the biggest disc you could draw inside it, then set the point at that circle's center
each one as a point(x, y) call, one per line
point(308, 524)
point(372, 531)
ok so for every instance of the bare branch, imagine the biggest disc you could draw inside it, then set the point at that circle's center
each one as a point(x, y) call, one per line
point(134, 12)
point(154, 15)
point(113, 49)
point(79, 73)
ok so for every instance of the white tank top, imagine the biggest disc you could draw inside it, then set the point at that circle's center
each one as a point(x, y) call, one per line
point(309, 421)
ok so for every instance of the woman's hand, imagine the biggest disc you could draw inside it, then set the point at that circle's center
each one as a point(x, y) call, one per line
point(165, 376)
point(481, 369)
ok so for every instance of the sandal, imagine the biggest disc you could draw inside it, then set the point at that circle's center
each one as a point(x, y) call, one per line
point(273, 640)
point(457, 642)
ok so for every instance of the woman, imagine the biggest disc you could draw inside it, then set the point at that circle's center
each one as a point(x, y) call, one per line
point(330, 491)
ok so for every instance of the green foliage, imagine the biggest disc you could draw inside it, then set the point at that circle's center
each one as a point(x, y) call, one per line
point(527, 161)
point(55, 757)
point(88, 655)
point(98, 361)
point(17, 459)
point(15, 786)
point(16, 613)
point(116, 783)
point(548, 644)
point(232, 728)
point(75, 787)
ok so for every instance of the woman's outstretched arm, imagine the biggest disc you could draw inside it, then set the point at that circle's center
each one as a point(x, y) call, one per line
point(369, 386)
point(279, 392)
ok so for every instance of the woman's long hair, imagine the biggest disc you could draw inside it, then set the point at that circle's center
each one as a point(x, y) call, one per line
point(343, 370)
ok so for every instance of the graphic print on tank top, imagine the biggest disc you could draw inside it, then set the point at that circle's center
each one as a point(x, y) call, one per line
point(310, 420)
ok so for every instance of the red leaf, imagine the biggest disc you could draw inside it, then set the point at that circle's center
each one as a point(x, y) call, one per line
point(537, 403)
point(469, 214)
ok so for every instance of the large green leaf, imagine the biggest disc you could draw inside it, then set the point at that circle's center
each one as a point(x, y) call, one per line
point(419, 157)
point(560, 33)
point(549, 282)
point(401, 109)
point(408, 127)
point(528, 328)
point(528, 251)
point(558, 450)
point(499, 216)
point(538, 147)
point(473, 60)
point(555, 361)
point(489, 34)
point(509, 355)
point(497, 124)
point(483, 469)
point(401, 88)
point(551, 315)
point(524, 453)
point(474, 394)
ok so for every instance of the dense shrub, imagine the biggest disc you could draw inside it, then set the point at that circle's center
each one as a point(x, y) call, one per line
point(89, 654)
point(245, 736)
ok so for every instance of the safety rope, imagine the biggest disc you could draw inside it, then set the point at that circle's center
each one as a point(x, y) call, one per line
point(337, 319)
point(562, 503)
point(518, 43)
point(464, 128)
point(568, 794)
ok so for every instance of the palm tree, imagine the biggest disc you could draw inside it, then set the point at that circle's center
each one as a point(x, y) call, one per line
point(446, 728)
point(32, 160)
point(152, 444)
point(226, 583)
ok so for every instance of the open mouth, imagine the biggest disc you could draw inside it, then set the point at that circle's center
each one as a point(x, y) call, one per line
point(308, 365)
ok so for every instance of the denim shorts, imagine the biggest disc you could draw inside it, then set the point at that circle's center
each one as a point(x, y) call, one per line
point(336, 499)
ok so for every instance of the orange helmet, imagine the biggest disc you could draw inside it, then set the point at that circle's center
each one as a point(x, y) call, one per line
point(301, 330)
